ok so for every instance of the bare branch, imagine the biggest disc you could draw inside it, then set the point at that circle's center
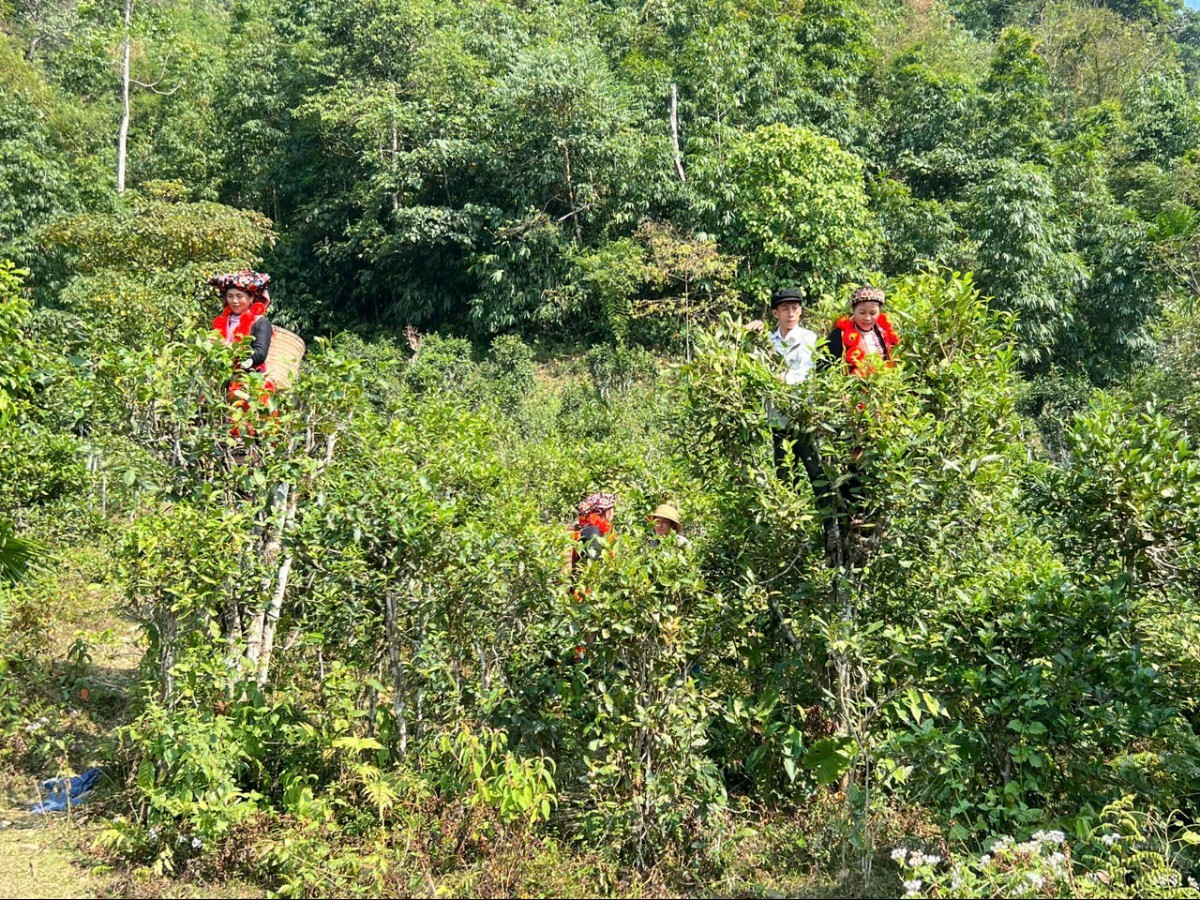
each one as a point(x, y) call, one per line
point(153, 86)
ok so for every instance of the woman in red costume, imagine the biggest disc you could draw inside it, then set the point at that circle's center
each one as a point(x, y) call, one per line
point(865, 337)
point(593, 526)
point(244, 317)
point(863, 341)
point(245, 298)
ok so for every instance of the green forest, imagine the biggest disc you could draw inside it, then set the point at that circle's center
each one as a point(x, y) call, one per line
point(344, 633)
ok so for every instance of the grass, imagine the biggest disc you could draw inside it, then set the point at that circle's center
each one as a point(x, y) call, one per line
point(40, 857)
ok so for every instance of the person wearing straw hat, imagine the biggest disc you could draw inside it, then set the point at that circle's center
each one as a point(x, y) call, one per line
point(665, 521)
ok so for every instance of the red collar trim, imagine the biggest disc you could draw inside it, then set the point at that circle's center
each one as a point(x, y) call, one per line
point(245, 320)
point(602, 525)
point(852, 339)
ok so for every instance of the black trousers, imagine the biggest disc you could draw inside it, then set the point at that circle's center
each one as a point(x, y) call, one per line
point(794, 445)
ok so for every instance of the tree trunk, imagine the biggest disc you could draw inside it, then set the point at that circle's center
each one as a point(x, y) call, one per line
point(272, 620)
point(687, 319)
point(675, 133)
point(167, 628)
point(571, 193)
point(234, 634)
point(123, 137)
point(399, 698)
point(282, 578)
point(395, 148)
point(272, 543)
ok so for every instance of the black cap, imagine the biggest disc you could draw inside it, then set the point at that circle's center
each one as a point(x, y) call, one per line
point(787, 295)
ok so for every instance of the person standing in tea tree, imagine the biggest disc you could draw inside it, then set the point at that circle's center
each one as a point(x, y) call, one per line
point(864, 342)
point(666, 525)
point(593, 527)
point(243, 317)
point(594, 523)
point(244, 298)
point(796, 346)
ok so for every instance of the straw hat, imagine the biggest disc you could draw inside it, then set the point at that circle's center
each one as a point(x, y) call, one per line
point(668, 512)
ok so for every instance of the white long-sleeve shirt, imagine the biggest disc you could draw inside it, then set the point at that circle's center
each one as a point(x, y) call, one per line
point(797, 348)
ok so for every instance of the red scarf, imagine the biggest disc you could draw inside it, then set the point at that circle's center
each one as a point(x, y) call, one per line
point(244, 324)
point(852, 342)
point(602, 525)
point(242, 329)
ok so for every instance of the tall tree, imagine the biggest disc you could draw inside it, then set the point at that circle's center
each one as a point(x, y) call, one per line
point(793, 205)
point(1025, 258)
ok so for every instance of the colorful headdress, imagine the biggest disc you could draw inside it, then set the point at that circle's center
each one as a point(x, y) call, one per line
point(865, 293)
point(597, 503)
point(253, 283)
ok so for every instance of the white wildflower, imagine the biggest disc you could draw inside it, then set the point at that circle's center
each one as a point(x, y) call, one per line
point(1055, 860)
point(197, 843)
point(1049, 837)
point(1109, 839)
point(912, 887)
point(899, 854)
point(153, 834)
point(1035, 879)
point(985, 859)
point(932, 860)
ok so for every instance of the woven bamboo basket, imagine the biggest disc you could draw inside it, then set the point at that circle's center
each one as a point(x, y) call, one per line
point(283, 359)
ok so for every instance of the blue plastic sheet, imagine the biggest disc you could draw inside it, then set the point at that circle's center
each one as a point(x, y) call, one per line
point(66, 792)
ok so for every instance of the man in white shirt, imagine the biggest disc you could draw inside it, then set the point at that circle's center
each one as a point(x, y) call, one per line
point(797, 346)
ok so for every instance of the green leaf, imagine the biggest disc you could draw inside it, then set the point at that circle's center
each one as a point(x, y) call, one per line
point(830, 758)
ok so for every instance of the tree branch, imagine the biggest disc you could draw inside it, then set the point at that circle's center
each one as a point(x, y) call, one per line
point(153, 86)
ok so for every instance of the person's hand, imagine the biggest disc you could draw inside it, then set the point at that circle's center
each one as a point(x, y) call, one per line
point(756, 325)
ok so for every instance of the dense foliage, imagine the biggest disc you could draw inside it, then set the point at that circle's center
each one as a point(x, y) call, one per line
point(523, 241)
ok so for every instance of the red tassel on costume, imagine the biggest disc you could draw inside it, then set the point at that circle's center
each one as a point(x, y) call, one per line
point(601, 525)
point(245, 321)
point(851, 339)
